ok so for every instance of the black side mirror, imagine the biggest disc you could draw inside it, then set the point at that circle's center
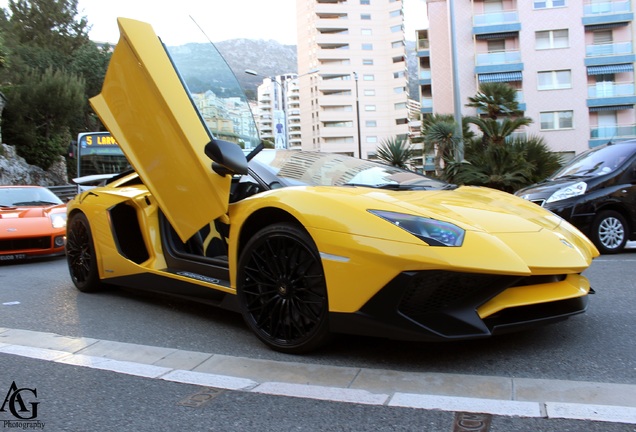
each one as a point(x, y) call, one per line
point(227, 158)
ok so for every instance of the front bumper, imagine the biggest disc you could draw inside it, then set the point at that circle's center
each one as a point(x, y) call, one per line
point(443, 305)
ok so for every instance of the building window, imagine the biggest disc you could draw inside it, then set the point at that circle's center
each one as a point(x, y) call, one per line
point(555, 120)
point(366, 32)
point(395, 13)
point(551, 39)
point(365, 17)
point(554, 80)
point(338, 108)
point(367, 62)
point(548, 4)
point(372, 139)
point(369, 108)
point(365, 2)
point(368, 77)
point(339, 140)
point(397, 44)
point(496, 45)
point(396, 28)
point(338, 124)
point(398, 74)
point(369, 92)
point(399, 105)
point(367, 47)
point(399, 90)
point(371, 123)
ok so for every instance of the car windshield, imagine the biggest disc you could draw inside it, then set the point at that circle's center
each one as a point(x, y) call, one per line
point(27, 196)
point(327, 169)
point(212, 86)
point(598, 161)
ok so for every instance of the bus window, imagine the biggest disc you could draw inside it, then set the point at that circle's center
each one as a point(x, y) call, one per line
point(98, 153)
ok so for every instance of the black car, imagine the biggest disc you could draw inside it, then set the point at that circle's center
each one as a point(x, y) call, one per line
point(596, 192)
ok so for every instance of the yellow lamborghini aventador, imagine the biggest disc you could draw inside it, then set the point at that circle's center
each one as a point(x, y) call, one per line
point(303, 244)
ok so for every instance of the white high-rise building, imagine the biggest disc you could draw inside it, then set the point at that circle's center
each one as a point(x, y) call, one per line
point(358, 97)
point(278, 112)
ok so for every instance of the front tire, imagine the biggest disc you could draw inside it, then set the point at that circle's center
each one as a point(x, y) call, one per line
point(282, 289)
point(80, 254)
point(609, 232)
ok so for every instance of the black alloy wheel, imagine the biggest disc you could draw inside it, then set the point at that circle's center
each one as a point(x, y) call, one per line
point(80, 254)
point(609, 232)
point(282, 289)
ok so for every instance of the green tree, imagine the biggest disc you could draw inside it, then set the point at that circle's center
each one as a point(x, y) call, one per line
point(495, 100)
point(49, 24)
point(495, 131)
point(497, 167)
point(440, 138)
point(395, 151)
point(496, 159)
point(53, 68)
point(543, 161)
point(40, 109)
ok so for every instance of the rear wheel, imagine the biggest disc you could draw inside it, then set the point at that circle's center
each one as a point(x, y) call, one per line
point(282, 289)
point(80, 254)
point(609, 232)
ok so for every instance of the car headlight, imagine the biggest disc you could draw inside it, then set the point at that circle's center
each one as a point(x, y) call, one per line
point(58, 220)
point(431, 231)
point(568, 192)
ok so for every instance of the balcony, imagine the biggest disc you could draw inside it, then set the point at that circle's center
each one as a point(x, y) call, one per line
point(426, 105)
point(602, 134)
point(423, 48)
point(611, 94)
point(425, 77)
point(607, 54)
point(496, 23)
point(608, 12)
point(500, 61)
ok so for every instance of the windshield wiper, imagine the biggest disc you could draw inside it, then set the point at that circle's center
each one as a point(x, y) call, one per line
point(391, 186)
point(571, 176)
point(28, 203)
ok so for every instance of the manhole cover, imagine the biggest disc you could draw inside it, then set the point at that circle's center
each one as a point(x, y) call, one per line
point(201, 397)
point(470, 422)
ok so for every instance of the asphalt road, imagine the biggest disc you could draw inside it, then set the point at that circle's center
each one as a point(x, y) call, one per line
point(597, 346)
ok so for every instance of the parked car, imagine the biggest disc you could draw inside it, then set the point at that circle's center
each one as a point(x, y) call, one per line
point(596, 192)
point(32, 223)
point(303, 244)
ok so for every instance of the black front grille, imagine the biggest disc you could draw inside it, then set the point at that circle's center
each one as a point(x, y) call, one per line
point(25, 243)
point(432, 292)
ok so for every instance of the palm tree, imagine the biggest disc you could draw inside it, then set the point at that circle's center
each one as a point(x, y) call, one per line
point(440, 138)
point(544, 162)
point(496, 99)
point(497, 167)
point(495, 131)
point(395, 151)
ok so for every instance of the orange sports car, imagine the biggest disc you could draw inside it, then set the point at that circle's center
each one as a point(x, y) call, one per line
point(32, 223)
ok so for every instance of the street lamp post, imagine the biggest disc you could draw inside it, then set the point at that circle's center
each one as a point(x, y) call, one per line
point(355, 77)
point(459, 155)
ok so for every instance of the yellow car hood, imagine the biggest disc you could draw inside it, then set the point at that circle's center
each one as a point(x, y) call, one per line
point(481, 209)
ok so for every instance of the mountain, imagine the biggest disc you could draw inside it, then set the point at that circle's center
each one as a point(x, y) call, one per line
point(266, 57)
point(269, 58)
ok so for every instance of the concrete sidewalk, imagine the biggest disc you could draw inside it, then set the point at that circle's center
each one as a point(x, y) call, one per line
point(520, 397)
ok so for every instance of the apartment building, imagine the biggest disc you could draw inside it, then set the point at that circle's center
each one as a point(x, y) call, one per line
point(571, 61)
point(278, 111)
point(359, 96)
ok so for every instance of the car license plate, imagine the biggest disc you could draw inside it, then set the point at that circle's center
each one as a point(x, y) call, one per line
point(12, 257)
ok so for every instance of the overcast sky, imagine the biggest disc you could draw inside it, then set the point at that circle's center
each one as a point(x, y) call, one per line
point(221, 20)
